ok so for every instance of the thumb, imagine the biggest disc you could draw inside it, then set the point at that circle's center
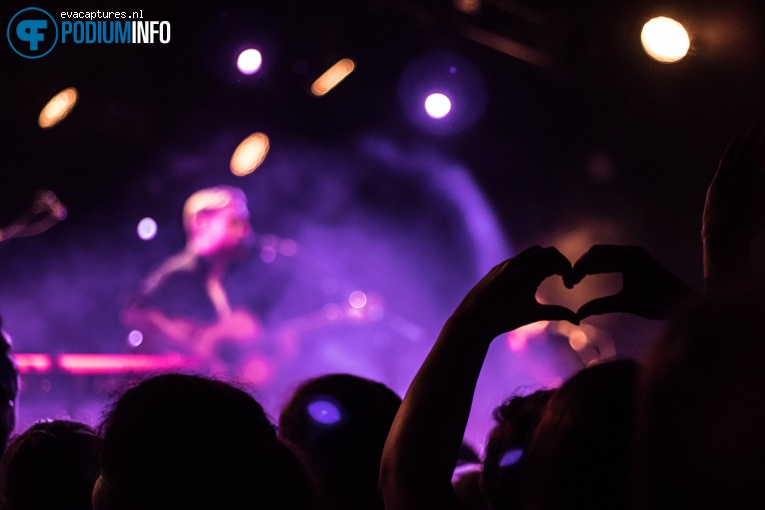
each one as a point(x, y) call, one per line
point(557, 313)
point(600, 306)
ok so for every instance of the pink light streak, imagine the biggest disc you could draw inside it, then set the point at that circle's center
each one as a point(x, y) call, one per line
point(81, 364)
point(33, 362)
point(121, 363)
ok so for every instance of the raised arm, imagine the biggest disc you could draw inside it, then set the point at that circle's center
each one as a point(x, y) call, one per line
point(422, 447)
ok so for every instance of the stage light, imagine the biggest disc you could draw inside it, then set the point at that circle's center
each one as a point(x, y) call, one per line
point(332, 77)
point(287, 247)
point(147, 229)
point(324, 412)
point(249, 61)
point(33, 362)
point(438, 105)
point(511, 457)
point(135, 338)
point(122, 363)
point(267, 254)
point(258, 370)
point(58, 108)
point(357, 299)
point(249, 154)
point(441, 86)
point(665, 40)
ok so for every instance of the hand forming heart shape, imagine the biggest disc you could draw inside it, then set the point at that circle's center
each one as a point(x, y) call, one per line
point(505, 298)
point(649, 290)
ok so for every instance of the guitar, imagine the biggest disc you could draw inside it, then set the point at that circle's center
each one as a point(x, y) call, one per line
point(236, 343)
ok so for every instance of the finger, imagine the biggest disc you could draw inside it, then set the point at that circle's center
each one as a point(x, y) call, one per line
point(600, 306)
point(573, 277)
point(593, 261)
point(602, 258)
point(551, 262)
point(516, 259)
point(524, 255)
point(557, 313)
point(528, 250)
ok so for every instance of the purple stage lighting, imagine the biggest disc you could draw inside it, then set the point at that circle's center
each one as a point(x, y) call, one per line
point(249, 61)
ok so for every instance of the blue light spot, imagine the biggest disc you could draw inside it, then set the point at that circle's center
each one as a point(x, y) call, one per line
point(324, 412)
point(511, 457)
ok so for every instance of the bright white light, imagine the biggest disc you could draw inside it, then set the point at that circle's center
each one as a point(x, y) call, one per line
point(665, 40)
point(147, 229)
point(135, 338)
point(437, 105)
point(357, 299)
point(249, 61)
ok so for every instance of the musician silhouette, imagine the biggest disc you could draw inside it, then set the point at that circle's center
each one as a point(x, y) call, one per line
point(182, 305)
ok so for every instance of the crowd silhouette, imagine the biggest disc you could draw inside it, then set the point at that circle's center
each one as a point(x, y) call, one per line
point(680, 429)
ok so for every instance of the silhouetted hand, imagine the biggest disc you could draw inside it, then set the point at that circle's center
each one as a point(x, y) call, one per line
point(734, 213)
point(424, 441)
point(505, 299)
point(648, 289)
